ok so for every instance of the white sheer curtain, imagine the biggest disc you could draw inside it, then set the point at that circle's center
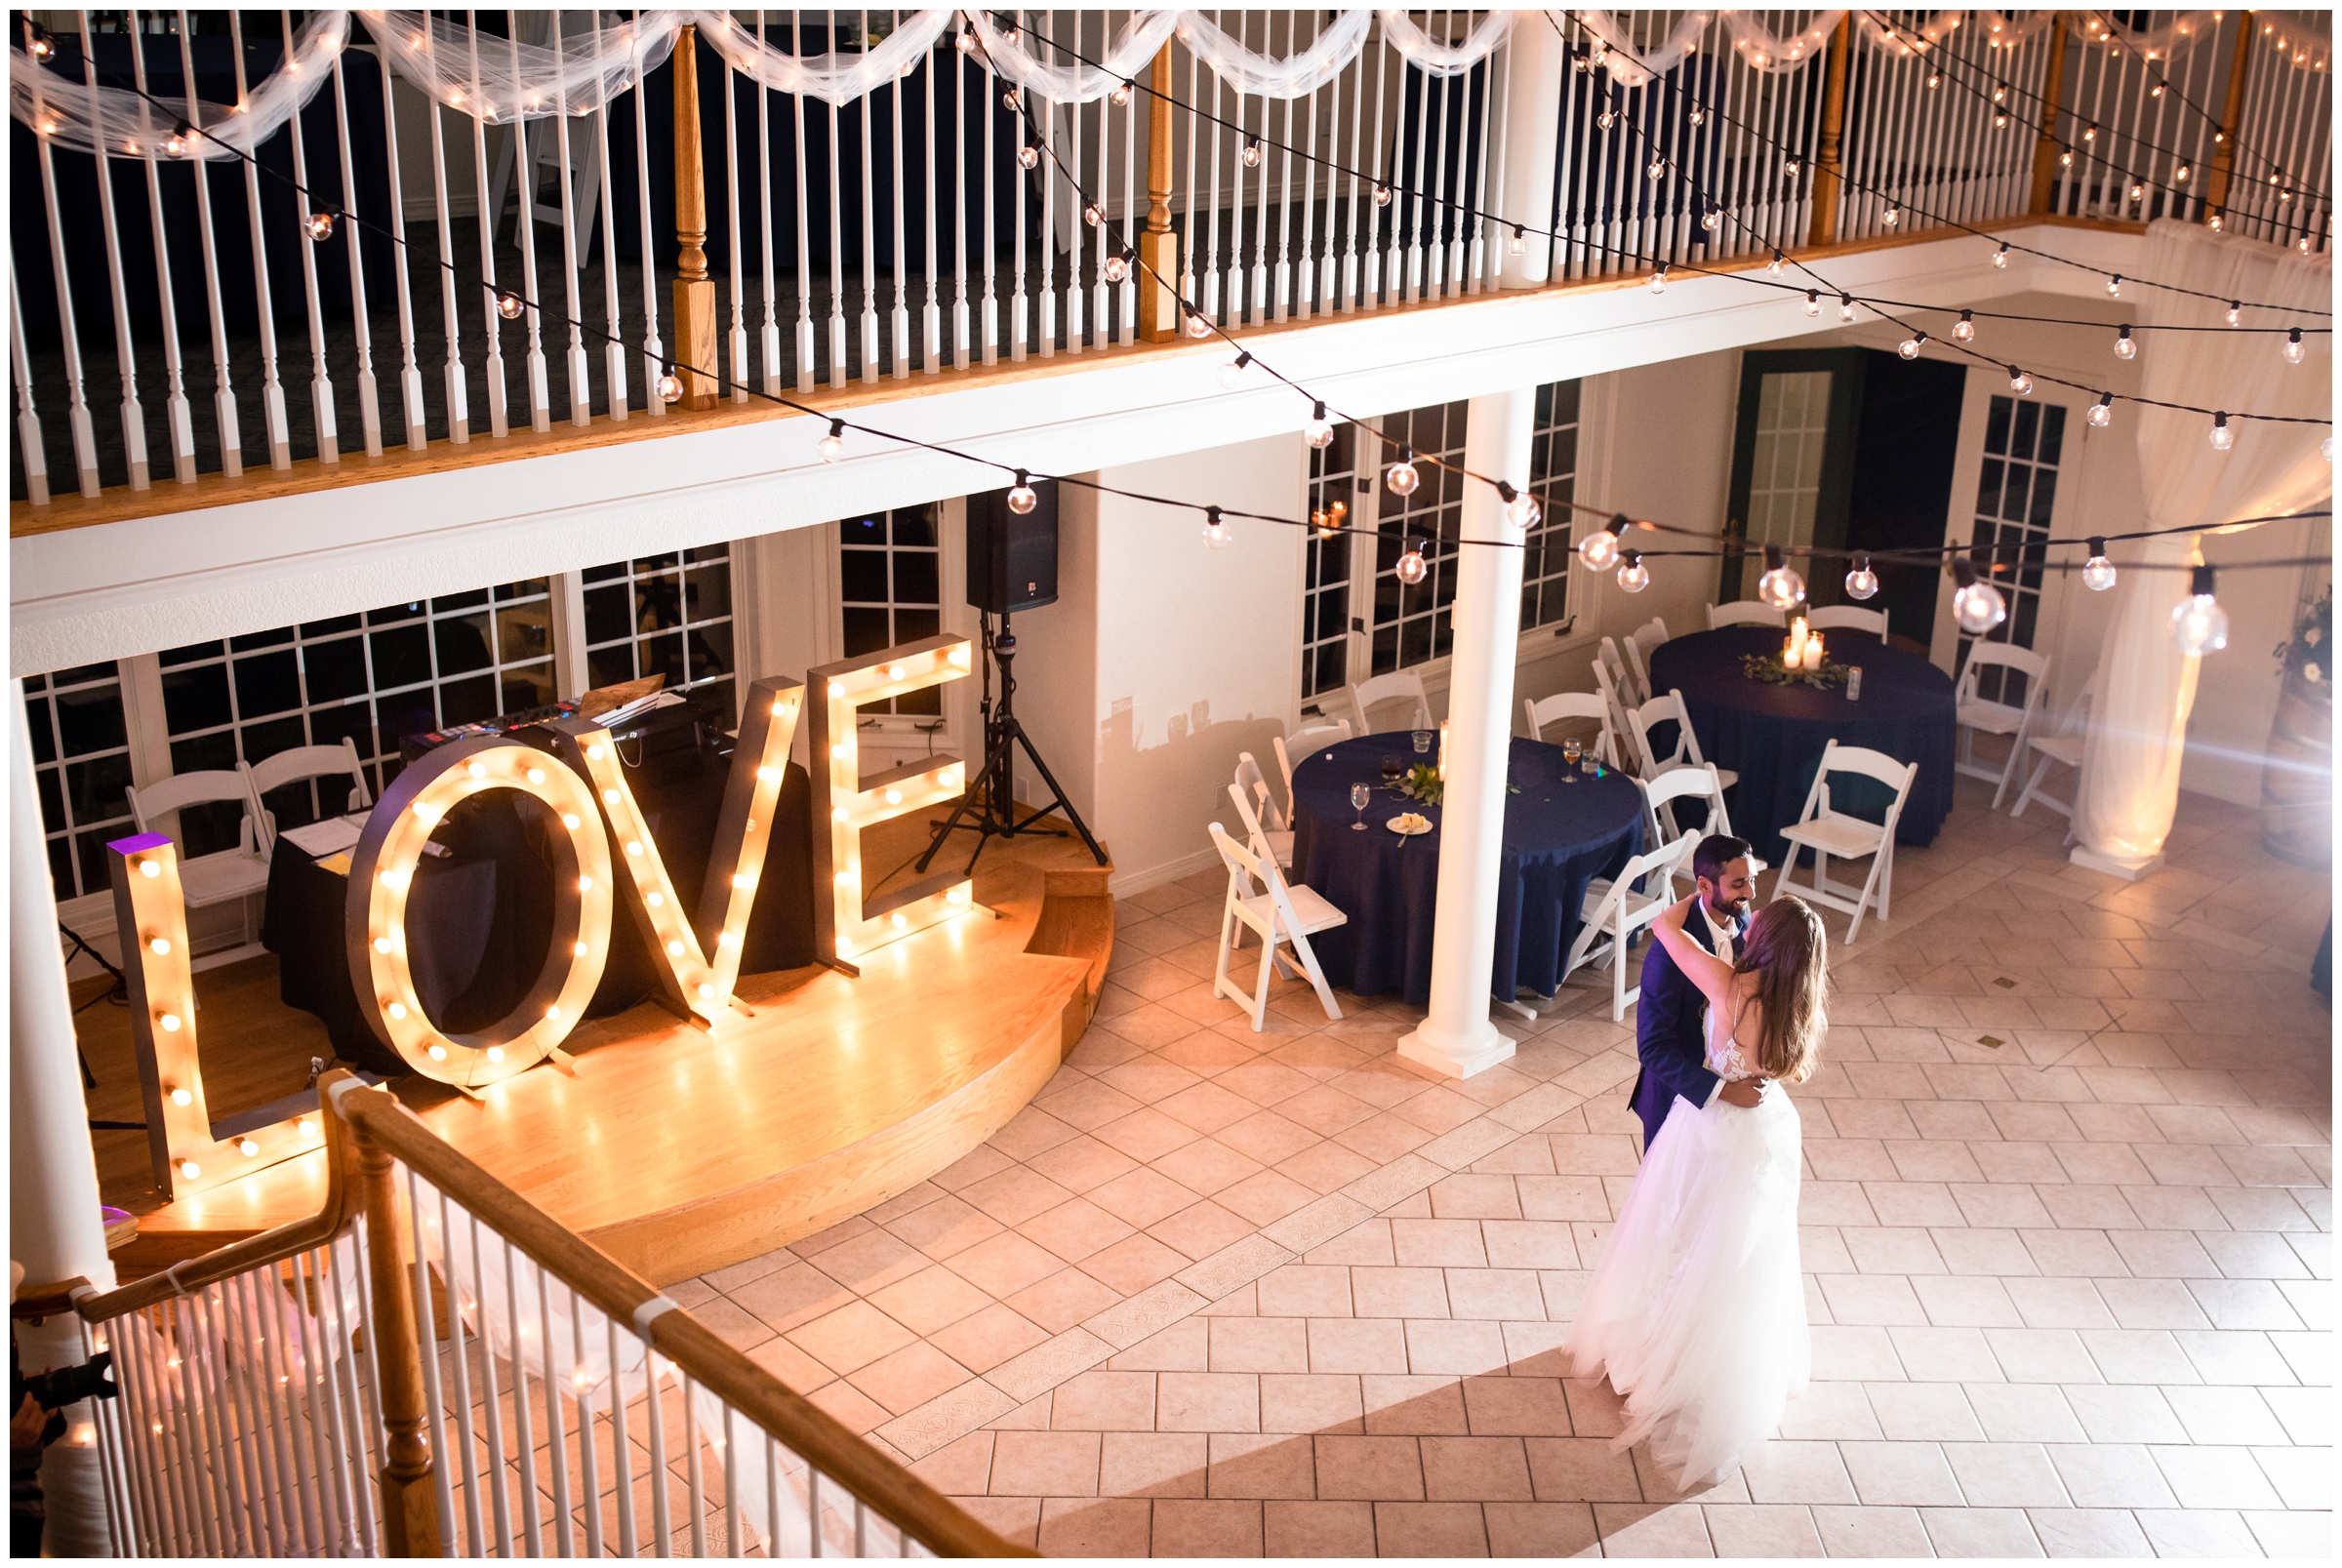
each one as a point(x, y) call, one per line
point(2131, 763)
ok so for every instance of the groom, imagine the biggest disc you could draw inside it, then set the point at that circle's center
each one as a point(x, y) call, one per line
point(1669, 1029)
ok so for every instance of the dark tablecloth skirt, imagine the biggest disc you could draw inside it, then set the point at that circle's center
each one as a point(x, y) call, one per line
point(479, 918)
point(1557, 838)
point(1773, 736)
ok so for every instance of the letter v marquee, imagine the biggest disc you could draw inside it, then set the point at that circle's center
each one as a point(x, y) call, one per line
point(846, 926)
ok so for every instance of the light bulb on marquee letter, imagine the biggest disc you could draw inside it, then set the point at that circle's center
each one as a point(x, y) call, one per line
point(844, 923)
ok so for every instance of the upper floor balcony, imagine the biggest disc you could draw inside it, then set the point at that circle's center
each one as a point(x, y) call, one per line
point(248, 264)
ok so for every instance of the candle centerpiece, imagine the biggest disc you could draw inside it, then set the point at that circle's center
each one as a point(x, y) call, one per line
point(1802, 658)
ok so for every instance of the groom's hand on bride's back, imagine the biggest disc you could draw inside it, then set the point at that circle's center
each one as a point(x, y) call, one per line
point(1744, 1093)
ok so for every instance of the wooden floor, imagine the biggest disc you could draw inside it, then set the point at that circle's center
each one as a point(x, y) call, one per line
point(678, 1149)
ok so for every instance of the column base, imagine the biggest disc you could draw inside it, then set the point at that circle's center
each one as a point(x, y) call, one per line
point(1455, 1056)
point(2129, 869)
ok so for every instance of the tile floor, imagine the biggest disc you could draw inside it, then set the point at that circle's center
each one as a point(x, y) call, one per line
point(2068, 1242)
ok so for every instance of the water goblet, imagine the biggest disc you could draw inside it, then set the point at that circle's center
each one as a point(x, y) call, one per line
point(1570, 751)
point(1359, 795)
point(1423, 742)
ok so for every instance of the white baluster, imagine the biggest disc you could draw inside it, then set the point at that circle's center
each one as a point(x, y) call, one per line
point(531, 285)
point(736, 340)
point(902, 317)
point(409, 375)
point(764, 218)
point(490, 216)
point(837, 247)
point(134, 416)
point(370, 410)
point(453, 379)
point(321, 381)
point(796, 104)
point(35, 456)
point(179, 421)
point(581, 385)
point(869, 233)
point(616, 397)
point(654, 349)
point(932, 320)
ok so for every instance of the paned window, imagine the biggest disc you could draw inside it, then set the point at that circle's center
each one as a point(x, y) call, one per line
point(1412, 622)
point(2016, 493)
point(1785, 485)
point(890, 592)
point(81, 767)
point(664, 615)
point(395, 671)
point(1334, 492)
point(1554, 478)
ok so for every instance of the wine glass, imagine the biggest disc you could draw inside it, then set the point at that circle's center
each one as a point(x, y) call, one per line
point(1359, 795)
point(1571, 751)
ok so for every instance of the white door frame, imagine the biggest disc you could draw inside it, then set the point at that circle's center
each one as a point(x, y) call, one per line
point(1959, 515)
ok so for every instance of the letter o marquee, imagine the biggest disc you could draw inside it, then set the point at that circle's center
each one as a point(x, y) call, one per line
point(382, 873)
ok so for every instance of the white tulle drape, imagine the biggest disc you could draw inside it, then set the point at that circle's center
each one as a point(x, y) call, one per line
point(1637, 67)
point(74, 116)
point(501, 79)
point(1246, 70)
point(1077, 83)
point(1436, 58)
point(2129, 788)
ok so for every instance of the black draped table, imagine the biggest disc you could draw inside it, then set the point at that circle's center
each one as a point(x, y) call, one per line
point(1773, 736)
point(1559, 838)
point(479, 918)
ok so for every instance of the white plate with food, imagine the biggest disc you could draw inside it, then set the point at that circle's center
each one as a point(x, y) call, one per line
point(1408, 824)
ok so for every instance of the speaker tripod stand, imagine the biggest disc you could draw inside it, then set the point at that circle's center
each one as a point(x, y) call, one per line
point(992, 797)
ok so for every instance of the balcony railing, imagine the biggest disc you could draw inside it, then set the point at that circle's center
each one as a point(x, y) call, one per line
point(431, 1366)
point(502, 271)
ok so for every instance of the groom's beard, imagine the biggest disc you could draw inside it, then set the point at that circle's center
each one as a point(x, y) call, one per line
point(1730, 910)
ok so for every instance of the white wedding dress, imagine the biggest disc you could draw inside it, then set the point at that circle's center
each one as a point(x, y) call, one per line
point(1697, 1310)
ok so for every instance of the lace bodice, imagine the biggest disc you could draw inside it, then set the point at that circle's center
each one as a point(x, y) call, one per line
point(1724, 1055)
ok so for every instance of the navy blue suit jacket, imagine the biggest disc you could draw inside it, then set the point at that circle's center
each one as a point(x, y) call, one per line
point(1670, 1035)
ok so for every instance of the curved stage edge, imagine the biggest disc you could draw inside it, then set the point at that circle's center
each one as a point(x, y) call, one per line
point(679, 1151)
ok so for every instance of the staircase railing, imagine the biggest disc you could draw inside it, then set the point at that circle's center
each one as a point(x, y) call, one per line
point(432, 1366)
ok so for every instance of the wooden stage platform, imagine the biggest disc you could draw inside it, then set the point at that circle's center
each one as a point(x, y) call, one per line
point(676, 1150)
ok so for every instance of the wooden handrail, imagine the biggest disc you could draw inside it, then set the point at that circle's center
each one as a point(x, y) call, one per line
point(252, 1252)
point(378, 1119)
point(410, 1504)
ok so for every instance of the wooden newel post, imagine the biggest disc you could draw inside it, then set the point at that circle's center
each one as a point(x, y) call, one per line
point(2224, 161)
point(1158, 247)
point(1827, 180)
point(2045, 149)
point(410, 1500)
point(695, 290)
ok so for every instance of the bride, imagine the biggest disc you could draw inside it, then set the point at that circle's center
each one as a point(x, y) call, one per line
point(1697, 1310)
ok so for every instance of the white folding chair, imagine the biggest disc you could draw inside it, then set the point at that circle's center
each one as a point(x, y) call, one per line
point(2065, 745)
point(1686, 754)
point(1641, 643)
point(1829, 832)
point(1613, 912)
point(223, 875)
point(1289, 914)
point(1250, 777)
point(1703, 782)
point(1973, 711)
point(303, 762)
point(1404, 685)
point(1607, 686)
point(1621, 679)
point(1851, 617)
point(1276, 842)
point(1305, 742)
point(1544, 710)
point(1746, 613)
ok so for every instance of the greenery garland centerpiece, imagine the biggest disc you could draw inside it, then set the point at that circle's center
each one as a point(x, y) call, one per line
point(1423, 783)
point(1773, 672)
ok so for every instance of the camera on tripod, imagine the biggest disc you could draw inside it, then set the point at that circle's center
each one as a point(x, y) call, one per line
point(61, 1386)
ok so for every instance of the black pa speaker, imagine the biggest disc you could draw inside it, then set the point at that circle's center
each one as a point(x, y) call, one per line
point(1012, 559)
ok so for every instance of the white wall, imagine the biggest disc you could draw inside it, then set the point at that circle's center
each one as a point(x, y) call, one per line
point(1163, 660)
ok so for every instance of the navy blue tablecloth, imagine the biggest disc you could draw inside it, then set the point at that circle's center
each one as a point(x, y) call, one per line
point(1557, 838)
point(1773, 736)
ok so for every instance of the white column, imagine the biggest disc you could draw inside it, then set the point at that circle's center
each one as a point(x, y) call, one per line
point(53, 1228)
point(1532, 124)
point(1457, 1039)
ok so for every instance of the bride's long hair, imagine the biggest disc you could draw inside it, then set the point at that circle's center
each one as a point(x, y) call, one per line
point(1788, 951)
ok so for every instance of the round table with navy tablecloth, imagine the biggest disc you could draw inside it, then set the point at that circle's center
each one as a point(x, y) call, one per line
point(1773, 736)
point(1557, 838)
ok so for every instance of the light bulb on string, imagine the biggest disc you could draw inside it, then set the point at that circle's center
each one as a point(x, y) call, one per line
point(2326, 449)
point(1518, 244)
point(2235, 312)
point(1659, 280)
point(1910, 348)
point(2114, 287)
point(1011, 34)
point(2018, 382)
point(321, 227)
point(1605, 119)
point(967, 43)
point(833, 445)
point(1965, 330)
point(1319, 432)
point(2001, 257)
point(1781, 587)
point(1892, 217)
point(2293, 350)
point(1022, 498)
point(1093, 215)
point(1412, 567)
point(2197, 623)
point(1234, 371)
point(1119, 98)
point(1401, 476)
point(1633, 576)
point(2138, 193)
point(176, 145)
point(2102, 411)
point(1710, 218)
point(1657, 168)
point(1862, 582)
point(1199, 325)
point(1115, 268)
point(1698, 115)
point(1599, 549)
point(1028, 156)
point(1520, 507)
point(671, 386)
point(1792, 167)
point(1012, 98)
point(2097, 573)
point(1845, 307)
point(509, 305)
point(2125, 349)
point(1215, 529)
point(2223, 438)
point(1383, 194)
point(1252, 152)
point(2065, 159)
point(1976, 604)
point(1813, 301)
point(1774, 265)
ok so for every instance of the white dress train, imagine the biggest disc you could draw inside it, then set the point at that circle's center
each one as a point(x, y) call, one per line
point(1697, 1310)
